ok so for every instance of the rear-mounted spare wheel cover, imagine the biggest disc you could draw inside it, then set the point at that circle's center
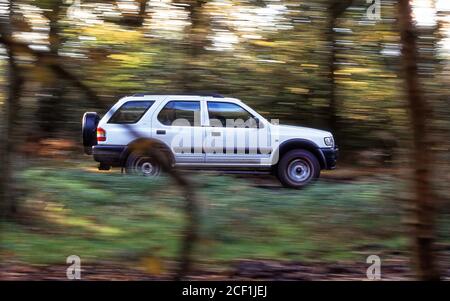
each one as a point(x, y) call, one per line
point(89, 131)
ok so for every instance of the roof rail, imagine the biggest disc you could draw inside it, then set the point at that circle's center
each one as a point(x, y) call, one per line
point(217, 95)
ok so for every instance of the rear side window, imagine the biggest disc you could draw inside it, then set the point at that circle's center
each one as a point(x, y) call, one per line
point(180, 111)
point(131, 112)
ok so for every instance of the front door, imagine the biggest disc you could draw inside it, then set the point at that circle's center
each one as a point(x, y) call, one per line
point(232, 135)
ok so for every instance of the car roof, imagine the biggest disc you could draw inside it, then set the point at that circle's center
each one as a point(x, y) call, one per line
point(159, 97)
point(182, 94)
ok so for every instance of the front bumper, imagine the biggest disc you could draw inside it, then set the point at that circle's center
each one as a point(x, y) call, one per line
point(331, 155)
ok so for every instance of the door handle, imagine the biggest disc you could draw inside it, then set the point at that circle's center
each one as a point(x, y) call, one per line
point(216, 134)
point(160, 132)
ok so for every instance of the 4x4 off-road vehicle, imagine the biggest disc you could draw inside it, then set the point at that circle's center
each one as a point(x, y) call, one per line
point(205, 131)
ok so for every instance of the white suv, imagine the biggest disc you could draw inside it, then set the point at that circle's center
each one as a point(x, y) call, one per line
point(206, 131)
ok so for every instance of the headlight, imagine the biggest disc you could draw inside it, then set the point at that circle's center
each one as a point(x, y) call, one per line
point(329, 141)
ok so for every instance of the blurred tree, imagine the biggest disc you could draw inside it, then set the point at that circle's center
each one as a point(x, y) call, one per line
point(8, 201)
point(52, 91)
point(336, 9)
point(195, 41)
point(135, 19)
point(424, 199)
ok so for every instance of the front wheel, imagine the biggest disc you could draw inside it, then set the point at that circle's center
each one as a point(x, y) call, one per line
point(298, 168)
point(142, 164)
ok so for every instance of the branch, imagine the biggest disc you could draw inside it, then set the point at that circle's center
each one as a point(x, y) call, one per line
point(191, 204)
point(191, 207)
point(51, 62)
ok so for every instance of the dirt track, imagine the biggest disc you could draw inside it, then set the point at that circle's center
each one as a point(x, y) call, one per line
point(394, 269)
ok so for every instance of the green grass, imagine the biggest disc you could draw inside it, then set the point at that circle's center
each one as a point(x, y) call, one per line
point(113, 217)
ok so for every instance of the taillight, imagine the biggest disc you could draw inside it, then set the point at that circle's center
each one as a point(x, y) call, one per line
point(101, 134)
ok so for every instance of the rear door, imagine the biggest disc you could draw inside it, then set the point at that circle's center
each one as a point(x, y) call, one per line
point(178, 123)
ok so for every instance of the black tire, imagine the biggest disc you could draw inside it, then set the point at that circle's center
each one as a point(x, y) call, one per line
point(89, 131)
point(298, 168)
point(139, 163)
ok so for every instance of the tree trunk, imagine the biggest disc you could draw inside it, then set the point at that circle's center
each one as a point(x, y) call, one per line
point(421, 155)
point(332, 107)
point(52, 90)
point(194, 44)
point(335, 10)
point(7, 192)
point(136, 20)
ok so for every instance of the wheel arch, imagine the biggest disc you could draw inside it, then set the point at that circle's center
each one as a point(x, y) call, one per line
point(146, 143)
point(298, 143)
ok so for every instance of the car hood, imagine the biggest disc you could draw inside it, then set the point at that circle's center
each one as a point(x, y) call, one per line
point(301, 131)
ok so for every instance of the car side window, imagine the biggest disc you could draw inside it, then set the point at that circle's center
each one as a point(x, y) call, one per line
point(130, 112)
point(181, 113)
point(229, 115)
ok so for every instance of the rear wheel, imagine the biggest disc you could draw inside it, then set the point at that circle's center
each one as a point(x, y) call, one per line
point(298, 168)
point(142, 164)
